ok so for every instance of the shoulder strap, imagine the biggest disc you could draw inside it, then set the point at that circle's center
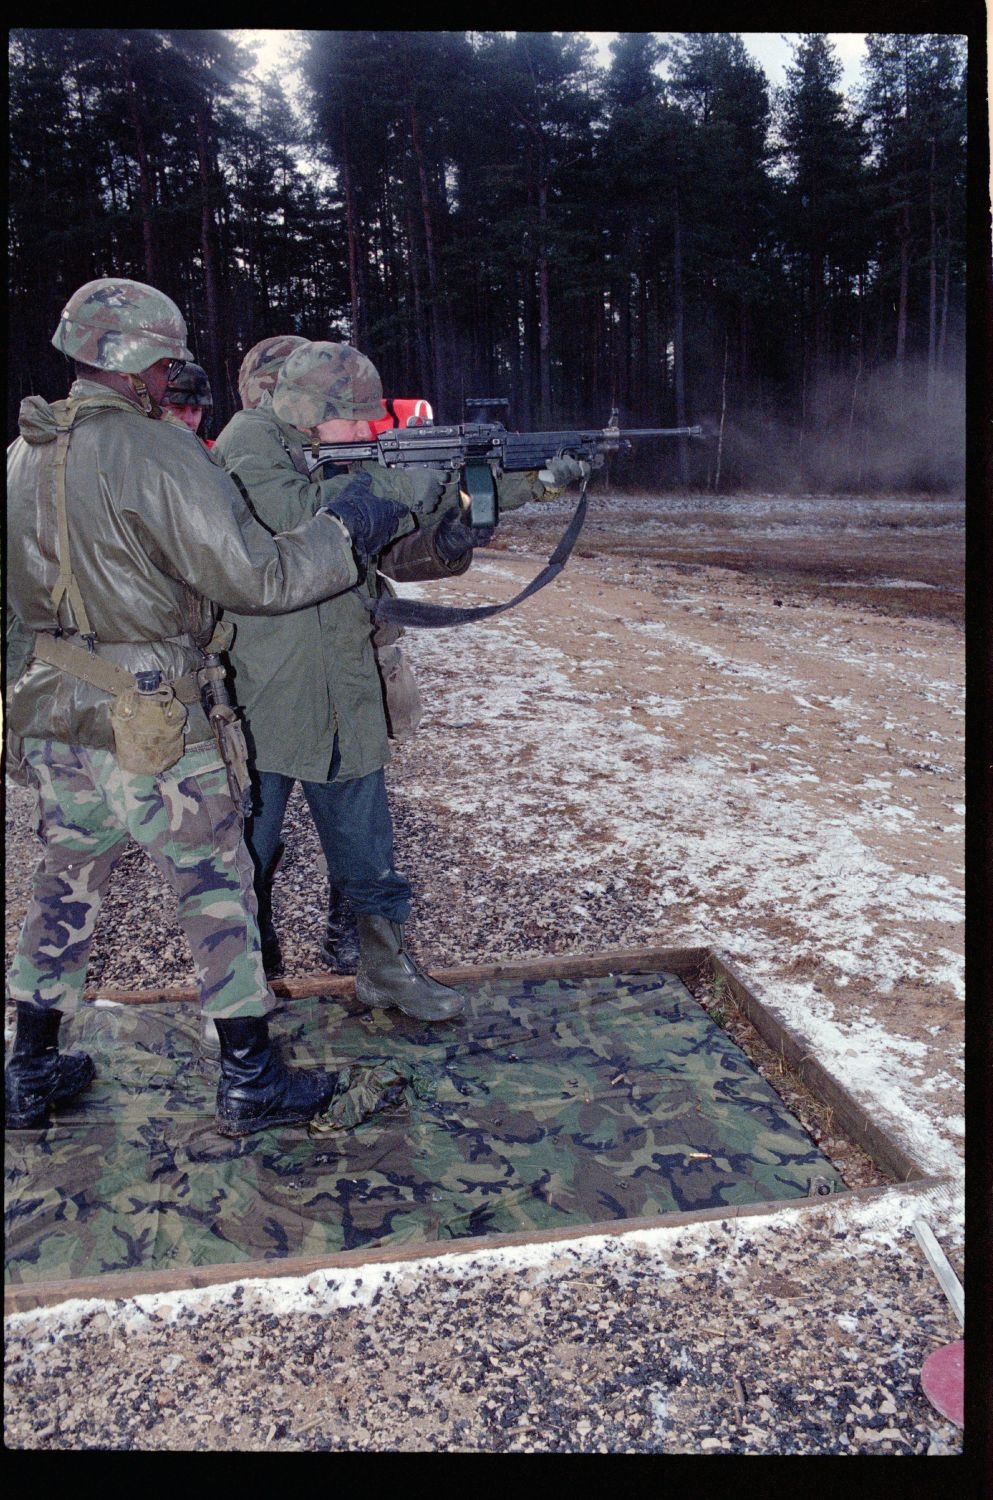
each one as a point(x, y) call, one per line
point(67, 413)
point(295, 451)
point(66, 586)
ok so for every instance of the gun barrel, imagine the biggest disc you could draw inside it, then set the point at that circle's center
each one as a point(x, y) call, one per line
point(661, 432)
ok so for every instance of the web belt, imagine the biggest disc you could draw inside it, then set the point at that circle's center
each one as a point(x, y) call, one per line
point(102, 674)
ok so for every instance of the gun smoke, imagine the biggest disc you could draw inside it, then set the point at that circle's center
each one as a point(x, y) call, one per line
point(884, 431)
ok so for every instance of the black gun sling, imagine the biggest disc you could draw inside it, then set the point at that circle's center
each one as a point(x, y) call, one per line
point(423, 616)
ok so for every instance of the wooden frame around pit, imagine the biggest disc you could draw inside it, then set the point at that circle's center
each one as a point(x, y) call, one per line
point(851, 1117)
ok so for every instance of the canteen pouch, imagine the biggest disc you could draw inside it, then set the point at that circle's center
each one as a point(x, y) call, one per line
point(148, 730)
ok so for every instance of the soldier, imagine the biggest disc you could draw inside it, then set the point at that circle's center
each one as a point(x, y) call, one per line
point(187, 397)
point(119, 532)
point(282, 442)
point(340, 943)
point(308, 684)
point(262, 364)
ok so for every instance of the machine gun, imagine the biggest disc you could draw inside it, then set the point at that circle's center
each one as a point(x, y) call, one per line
point(480, 451)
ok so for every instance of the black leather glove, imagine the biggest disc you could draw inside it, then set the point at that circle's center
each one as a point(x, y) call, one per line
point(454, 536)
point(369, 520)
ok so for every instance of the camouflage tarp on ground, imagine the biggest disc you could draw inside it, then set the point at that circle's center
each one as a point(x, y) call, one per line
point(549, 1104)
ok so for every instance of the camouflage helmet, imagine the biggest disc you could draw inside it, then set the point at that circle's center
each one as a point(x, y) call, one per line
point(324, 380)
point(189, 388)
point(119, 325)
point(262, 364)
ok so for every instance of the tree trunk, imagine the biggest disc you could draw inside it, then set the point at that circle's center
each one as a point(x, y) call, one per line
point(932, 319)
point(901, 311)
point(544, 321)
point(679, 360)
point(855, 385)
point(438, 352)
point(527, 349)
point(423, 378)
point(144, 178)
point(207, 251)
point(945, 290)
point(720, 434)
point(352, 234)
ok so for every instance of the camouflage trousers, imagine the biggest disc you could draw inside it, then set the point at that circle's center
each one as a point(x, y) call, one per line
point(187, 824)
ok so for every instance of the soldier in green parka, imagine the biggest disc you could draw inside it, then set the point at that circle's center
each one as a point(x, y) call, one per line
point(120, 529)
point(308, 684)
point(257, 377)
point(339, 947)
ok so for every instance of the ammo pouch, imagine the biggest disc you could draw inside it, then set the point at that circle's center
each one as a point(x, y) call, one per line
point(401, 697)
point(148, 729)
point(223, 717)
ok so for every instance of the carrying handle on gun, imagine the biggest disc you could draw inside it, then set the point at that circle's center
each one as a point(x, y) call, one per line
point(423, 616)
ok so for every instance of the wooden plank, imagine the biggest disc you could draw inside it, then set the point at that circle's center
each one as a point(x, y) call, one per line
point(114, 1285)
point(942, 1268)
point(852, 1116)
point(563, 965)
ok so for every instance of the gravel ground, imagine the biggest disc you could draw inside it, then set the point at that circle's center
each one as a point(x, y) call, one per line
point(799, 1333)
point(801, 1336)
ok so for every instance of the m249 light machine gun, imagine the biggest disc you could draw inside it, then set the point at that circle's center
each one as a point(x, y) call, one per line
point(479, 451)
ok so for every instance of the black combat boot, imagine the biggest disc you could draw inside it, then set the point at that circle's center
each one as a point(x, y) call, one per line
point(256, 1091)
point(38, 1076)
point(388, 976)
point(272, 953)
point(340, 948)
point(272, 957)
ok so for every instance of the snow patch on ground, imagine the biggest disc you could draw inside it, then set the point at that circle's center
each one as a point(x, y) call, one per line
point(751, 856)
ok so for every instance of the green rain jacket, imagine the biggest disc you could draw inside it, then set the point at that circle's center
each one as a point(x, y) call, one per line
point(156, 531)
point(302, 679)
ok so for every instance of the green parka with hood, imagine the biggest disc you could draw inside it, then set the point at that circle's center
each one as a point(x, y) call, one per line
point(156, 531)
point(306, 677)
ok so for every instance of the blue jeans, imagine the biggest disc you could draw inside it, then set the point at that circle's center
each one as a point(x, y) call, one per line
point(354, 826)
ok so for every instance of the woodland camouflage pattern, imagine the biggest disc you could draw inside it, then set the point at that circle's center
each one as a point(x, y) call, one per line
point(189, 388)
point(552, 1104)
point(324, 380)
point(188, 826)
point(262, 364)
point(121, 325)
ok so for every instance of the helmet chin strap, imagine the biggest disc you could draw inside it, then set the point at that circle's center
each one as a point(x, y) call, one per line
point(149, 407)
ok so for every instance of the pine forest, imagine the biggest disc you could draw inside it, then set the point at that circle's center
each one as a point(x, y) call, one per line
point(498, 214)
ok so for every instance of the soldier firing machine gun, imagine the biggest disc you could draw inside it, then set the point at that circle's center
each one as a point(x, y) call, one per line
point(479, 450)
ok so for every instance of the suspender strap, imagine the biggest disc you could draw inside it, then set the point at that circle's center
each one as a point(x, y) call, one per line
point(65, 584)
point(98, 672)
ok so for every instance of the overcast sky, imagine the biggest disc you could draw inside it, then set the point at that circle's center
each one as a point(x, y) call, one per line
point(770, 49)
